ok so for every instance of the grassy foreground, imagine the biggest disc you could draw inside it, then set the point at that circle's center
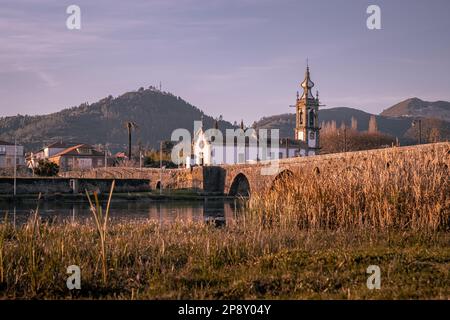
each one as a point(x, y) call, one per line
point(311, 237)
point(147, 261)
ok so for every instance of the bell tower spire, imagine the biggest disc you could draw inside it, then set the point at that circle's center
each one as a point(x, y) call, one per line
point(307, 85)
point(307, 112)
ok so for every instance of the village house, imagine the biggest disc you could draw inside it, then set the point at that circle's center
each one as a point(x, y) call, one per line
point(78, 157)
point(47, 151)
point(9, 152)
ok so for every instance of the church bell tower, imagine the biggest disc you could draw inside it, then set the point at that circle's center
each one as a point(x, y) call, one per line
point(307, 115)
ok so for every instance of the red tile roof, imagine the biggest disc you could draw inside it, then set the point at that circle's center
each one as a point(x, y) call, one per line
point(61, 144)
point(74, 151)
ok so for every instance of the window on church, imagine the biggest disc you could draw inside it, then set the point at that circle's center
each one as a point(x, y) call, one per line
point(311, 118)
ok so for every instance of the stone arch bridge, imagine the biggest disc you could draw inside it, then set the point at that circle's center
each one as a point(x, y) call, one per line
point(245, 179)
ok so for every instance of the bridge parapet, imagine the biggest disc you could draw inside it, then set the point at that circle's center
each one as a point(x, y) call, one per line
point(247, 178)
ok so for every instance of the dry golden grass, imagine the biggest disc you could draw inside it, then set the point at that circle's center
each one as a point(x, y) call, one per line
point(387, 190)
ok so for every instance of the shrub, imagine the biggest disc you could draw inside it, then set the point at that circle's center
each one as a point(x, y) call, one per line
point(46, 168)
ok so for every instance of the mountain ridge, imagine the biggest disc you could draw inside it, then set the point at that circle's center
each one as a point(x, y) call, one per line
point(415, 107)
point(158, 113)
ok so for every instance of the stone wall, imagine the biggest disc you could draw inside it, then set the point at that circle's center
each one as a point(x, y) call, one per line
point(205, 179)
point(35, 186)
point(68, 186)
point(122, 185)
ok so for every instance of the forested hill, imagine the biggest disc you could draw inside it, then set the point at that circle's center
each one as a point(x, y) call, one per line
point(156, 114)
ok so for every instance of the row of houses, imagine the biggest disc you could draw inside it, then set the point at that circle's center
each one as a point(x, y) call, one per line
point(76, 156)
point(68, 156)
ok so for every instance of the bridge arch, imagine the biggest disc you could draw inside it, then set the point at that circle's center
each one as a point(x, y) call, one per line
point(283, 177)
point(240, 186)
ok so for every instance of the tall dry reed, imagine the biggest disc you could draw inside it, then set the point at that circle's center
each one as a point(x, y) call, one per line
point(385, 190)
point(101, 223)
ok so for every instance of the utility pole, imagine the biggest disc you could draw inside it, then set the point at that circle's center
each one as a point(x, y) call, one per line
point(140, 159)
point(15, 166)
point(106, 158)
point(160, 167)
point(419, 122)
point(106, 134)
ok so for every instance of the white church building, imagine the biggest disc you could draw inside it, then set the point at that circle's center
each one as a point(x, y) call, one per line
point(246, 145)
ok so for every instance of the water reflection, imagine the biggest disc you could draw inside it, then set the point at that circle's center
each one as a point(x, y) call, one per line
point(218, 212)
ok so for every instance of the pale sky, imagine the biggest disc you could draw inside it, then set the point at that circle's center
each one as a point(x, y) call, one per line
point(239, 58)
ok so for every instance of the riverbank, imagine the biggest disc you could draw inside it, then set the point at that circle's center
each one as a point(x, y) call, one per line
point(172, 195)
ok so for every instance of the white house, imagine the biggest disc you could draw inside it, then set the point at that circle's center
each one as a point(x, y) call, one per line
point(47, 152)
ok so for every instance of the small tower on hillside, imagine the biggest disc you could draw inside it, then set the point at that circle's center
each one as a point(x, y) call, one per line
point(307, 115)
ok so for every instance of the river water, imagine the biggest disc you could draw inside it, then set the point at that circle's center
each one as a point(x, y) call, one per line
point(217, 211)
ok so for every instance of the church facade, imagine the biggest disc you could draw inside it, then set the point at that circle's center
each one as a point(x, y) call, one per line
point(246, 145)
